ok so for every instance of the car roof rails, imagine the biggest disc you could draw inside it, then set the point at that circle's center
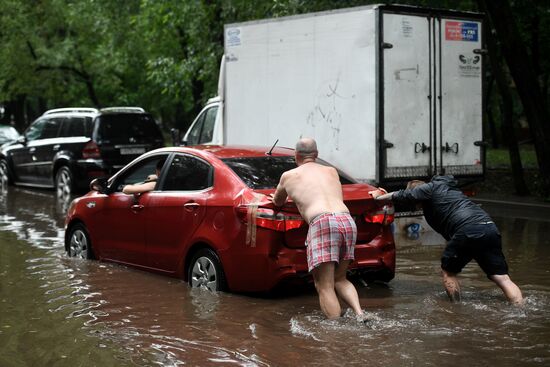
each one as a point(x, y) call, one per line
point(71, 110)
point(122, 109)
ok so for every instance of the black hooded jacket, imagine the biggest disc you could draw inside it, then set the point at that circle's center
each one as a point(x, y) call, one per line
point(445, 207)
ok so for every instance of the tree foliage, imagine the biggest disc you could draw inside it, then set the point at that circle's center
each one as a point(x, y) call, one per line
point(162, 55)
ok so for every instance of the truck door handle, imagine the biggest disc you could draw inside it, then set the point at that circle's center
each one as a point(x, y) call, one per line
point(191, 206)
point(450, 148)
point(481, 143)
point(420, 147)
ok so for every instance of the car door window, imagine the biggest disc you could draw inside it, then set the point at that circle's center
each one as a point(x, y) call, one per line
point(208, 125)
point(51, 128)
point(35, 130)
point(75, 126)
point(187, 173)
point(139, 172)
point(195, 133)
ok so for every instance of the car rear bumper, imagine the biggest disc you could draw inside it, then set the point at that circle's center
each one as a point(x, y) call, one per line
point(261, 269)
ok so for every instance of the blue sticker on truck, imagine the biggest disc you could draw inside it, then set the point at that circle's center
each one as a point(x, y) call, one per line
point(461, 31)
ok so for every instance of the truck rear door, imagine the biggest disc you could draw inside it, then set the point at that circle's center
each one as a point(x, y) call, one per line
point(406, 112)
point(431, 97)
point(460, 122)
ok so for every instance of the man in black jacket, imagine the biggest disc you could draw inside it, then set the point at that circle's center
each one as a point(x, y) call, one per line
point(468, 229)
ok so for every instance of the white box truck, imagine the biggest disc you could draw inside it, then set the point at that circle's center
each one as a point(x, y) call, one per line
point(389, 92)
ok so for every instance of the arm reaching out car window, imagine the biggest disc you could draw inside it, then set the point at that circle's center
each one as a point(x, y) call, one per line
point(147, 185)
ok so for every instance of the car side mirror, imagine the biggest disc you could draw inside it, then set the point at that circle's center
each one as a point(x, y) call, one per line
point(99, 185)
point(175, 133)
point(22, 140)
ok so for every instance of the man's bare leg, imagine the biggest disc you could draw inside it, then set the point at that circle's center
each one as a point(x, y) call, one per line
point(452, 287)
point(323, 276)
point(345, 289)
point(510, 289)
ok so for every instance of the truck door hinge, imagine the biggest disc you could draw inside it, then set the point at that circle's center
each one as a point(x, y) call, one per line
point(421, 147)
point(450, 148)
point(386, 45)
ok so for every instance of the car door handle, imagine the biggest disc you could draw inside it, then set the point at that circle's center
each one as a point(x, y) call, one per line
point(56, 147)
point(137, 207)
point(32, 150)
point(191, 206)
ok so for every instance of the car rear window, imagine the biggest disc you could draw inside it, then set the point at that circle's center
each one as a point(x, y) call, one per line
point(265, 172)
point(122, 127)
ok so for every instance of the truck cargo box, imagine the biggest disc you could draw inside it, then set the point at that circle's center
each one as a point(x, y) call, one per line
point(389, 92)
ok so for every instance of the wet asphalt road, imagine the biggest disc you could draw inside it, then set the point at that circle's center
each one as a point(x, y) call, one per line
point(59, 311)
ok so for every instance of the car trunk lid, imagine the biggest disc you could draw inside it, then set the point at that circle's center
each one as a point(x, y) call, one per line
point(368, 214)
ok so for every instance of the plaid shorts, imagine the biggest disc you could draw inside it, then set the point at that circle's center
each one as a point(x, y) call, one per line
point(331, 237)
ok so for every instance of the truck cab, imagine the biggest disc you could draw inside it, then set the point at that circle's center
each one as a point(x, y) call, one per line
point(207, 128)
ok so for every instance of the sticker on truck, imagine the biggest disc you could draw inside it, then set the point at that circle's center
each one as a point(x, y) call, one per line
point(233, 37)
point(461, 31)
point(469, 66)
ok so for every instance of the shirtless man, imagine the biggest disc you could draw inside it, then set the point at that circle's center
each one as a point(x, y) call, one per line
point(330, 242)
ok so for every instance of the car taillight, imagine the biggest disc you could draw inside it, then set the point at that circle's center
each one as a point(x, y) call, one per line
point(91, 150)
point(268, 218)
point(383, 215)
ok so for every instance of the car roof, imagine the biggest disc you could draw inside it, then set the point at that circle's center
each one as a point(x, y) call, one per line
point(231, 151)
point(79, 111)
point(87, 111)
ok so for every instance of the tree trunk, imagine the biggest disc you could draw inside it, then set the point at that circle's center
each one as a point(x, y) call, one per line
point(19, 113)
point(525, 79)
point(507, 108)
point(91, 92)
point(489, 111)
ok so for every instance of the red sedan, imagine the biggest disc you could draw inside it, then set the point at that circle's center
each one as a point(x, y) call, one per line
point(208, 220)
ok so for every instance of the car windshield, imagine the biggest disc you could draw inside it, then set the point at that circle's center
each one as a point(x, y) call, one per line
point(265, 172)
point(122, 127)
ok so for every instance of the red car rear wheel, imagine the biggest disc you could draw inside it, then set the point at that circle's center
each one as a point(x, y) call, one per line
point(205, 271)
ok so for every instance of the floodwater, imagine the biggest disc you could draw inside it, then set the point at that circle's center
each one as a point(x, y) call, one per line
point(58, 311)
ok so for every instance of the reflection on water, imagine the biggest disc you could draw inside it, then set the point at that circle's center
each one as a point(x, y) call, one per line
point(78, 312)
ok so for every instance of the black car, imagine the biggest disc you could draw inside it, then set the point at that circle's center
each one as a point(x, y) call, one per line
point(66, 148)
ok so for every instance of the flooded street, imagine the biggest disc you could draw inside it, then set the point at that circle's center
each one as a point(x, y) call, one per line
point(59, 311)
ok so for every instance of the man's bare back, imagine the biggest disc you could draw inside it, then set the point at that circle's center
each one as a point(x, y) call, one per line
point(330, 242)
point(315, 189)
